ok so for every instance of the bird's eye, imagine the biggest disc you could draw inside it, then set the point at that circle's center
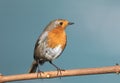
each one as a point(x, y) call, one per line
point(61, 23)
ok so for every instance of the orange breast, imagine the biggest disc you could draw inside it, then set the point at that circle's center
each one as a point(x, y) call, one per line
point(57, 37)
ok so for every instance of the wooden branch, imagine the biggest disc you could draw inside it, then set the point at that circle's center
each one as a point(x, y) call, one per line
point(54, 74)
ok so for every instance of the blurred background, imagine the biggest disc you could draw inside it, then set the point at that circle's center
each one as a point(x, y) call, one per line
point(93, 41)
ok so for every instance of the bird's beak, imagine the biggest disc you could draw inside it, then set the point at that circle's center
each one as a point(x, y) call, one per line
point(70, 23)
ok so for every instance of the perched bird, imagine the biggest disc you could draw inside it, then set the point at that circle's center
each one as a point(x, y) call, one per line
point(50, 43)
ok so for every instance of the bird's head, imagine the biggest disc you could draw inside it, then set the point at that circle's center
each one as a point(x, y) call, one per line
point(58, 23)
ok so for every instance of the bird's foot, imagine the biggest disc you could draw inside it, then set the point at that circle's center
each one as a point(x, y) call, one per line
point(39, 73)
point(59, 72)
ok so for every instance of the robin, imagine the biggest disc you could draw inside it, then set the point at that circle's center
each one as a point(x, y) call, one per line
point(50, 44)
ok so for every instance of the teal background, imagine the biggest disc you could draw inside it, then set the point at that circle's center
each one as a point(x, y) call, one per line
point(93, 41)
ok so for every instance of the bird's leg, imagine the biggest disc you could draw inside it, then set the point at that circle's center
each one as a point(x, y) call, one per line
point(38, 70)
point(58, 69)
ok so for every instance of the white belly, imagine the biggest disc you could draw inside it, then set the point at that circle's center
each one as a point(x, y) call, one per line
point(52, 53)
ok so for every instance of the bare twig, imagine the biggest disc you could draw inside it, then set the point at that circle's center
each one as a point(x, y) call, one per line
point(53, 74)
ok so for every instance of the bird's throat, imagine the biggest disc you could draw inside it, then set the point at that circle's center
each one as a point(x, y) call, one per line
point(57, 37)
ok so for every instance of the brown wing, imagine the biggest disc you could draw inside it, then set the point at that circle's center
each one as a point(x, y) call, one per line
point(39, 45)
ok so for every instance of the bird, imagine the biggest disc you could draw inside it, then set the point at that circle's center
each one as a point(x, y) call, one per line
point(50, 44)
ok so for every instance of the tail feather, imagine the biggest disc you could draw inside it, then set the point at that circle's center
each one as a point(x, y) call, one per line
point(33, 68)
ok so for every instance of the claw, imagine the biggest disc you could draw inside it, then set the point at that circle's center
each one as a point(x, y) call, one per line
point(39, 73)
point(59, 72)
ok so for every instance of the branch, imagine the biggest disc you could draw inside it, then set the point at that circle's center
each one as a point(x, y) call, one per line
point(54, 74)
